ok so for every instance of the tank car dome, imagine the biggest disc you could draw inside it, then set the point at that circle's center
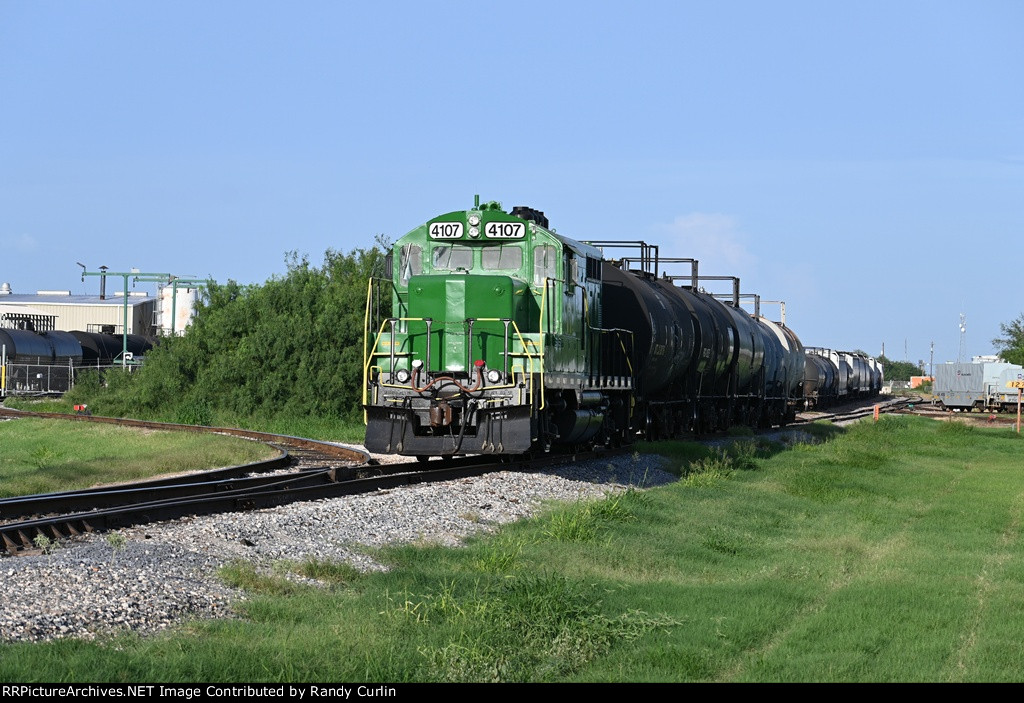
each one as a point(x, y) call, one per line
point(5, 288)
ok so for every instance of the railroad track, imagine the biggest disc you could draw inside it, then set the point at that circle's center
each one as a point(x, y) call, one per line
point(28, 523)
point(892, 405)
point(319, 470)
point(65, 514)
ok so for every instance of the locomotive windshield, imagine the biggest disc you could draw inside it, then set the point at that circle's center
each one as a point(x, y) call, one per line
point(501, 258)
point(410, 262)
point(451, 257)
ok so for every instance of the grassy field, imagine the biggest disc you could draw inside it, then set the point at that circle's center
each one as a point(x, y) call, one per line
point(333, 429)
point(42, 456)
point(889, 552)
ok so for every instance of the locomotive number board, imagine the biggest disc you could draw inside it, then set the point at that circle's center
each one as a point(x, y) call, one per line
point(492, 230)
point(445, 230)
point(505, 230)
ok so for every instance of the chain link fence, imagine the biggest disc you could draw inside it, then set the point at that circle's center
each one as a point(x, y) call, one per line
point(41, 379)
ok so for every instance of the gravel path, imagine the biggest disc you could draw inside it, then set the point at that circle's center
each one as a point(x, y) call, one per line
point(152, 576)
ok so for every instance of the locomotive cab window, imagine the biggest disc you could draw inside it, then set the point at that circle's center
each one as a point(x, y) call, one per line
point(545, 264)
point(452, 257)
point(501, 258)
point(572, 272)
point(410, 262)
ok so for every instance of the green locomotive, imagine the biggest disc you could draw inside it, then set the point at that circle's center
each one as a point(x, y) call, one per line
point(494, 341)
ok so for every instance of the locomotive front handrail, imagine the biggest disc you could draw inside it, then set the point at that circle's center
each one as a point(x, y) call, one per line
point(536, 358)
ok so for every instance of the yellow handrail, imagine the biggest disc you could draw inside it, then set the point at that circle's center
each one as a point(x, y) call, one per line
point(536, 357)
point(366, 331)
point(542, 335)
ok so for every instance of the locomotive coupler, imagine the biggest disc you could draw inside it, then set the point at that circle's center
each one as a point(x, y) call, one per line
point(440, 413)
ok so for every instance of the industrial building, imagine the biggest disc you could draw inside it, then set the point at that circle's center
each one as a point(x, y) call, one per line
point(169, 312)
point(91, 313)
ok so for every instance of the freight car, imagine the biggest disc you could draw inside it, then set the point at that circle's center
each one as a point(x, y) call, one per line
point(982, 386)
point(42, 348)
point(61, 348)
point(835, 376)
point(502, 336)
point(45, 362)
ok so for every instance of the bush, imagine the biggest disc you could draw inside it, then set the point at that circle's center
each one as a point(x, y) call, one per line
point(290, 347)
point(195, 411)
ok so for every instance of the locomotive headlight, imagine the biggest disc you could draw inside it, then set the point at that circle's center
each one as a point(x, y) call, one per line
point(474, 231)
point(493, 375)
point(402, 375)
point(416, 364)
point(474, 220)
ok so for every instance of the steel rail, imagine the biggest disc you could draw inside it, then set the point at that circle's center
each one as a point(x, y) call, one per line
point(888, 406)
point(23, 538)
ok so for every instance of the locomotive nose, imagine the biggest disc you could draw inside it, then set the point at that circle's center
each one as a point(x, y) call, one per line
point(465, 310)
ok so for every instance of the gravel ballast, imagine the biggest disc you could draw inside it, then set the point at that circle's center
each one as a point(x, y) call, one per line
point(146, 578)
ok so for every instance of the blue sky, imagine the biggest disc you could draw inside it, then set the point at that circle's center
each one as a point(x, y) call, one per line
point(862, 161)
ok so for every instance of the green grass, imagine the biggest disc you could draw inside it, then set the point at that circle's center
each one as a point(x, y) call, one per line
point(42, 456)
point(332, 428)
point(890, 552)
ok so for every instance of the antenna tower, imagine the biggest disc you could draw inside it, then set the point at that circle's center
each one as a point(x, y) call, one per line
point(963, 339)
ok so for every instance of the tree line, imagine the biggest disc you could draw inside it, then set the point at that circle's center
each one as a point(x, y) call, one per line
point(292, 347)
point(1011, 345)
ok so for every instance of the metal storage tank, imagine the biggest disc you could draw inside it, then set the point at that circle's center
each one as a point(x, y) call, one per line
point(176, 308)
